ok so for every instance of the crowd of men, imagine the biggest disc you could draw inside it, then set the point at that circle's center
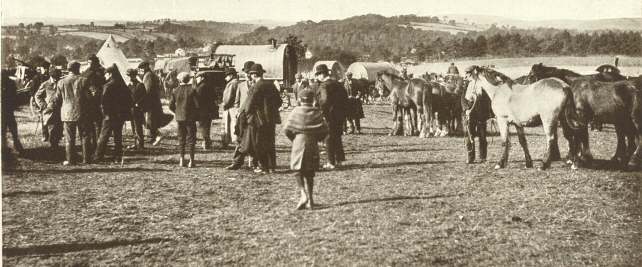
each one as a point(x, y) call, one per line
point(94, 105)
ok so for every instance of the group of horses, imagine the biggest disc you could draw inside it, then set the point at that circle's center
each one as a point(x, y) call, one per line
point(548, 97)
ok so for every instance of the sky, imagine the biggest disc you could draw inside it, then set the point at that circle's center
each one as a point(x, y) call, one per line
point(316, 10)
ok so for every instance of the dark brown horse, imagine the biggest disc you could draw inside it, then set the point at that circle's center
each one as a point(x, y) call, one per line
point(618, 103)
point(407, 99)
point(447, 106)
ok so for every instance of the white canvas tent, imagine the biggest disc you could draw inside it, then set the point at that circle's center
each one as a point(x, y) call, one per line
point(110, 53)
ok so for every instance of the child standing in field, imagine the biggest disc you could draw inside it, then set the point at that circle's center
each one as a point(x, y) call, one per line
point(184, 104)
point(305, 127)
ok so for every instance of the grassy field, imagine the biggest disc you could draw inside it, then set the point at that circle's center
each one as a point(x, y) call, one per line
point(515, 67)
point(398, 201)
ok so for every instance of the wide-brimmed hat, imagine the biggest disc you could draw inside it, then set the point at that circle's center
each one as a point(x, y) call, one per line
point(247, 65)
point(323, 68)
point(257, 68)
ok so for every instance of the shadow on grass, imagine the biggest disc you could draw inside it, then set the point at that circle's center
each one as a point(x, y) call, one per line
point(403, 150)
point(385, 199)
point(603, 165)
point(27, 193)
point(90, 170)
point(74, 247)
point(390, 165)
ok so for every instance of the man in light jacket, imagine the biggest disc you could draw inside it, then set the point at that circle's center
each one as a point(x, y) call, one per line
point(73, 94)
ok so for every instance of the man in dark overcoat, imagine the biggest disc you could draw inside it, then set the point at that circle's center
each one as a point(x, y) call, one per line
point(153, 107)
point(332, 99)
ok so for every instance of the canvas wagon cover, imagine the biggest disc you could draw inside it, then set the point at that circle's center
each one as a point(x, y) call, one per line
point(271, 58)
point(368, 70)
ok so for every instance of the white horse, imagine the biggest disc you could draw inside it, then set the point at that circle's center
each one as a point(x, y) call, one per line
point(542, 103)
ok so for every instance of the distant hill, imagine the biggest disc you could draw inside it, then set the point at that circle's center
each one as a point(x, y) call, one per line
point(269, 23)
point(624, 24)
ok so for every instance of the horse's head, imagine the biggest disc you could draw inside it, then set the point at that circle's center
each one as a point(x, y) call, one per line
point(539, 71)
point(484, 78)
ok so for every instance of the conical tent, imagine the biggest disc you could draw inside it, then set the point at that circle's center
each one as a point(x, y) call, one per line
point(110, 54)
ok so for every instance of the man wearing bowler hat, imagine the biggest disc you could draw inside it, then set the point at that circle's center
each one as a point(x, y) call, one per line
point(332, 99)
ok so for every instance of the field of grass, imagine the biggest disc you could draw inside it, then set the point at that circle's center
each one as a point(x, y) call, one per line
point(515, 67)
point(397, 201)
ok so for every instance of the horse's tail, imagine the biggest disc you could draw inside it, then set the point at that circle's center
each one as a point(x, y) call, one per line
point(570, 113)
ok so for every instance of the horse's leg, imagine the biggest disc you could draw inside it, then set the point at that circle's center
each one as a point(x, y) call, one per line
point(585, 150)
point(549, 128)
point(620, 151)
point(415, 122)
point(555, 150)
point(502, 124)
point(395, 122)
point(569, 134)
point(522, 141)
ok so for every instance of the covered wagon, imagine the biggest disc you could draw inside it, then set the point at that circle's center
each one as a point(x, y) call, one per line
point(279, 61)
point(369, 70)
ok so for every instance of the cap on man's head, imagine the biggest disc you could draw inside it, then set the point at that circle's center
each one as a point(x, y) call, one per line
point(93, 57)
point(74, 65)
point(306, 95)
point(113, 69)
point(55, 72)
point(132, 72)
point(143, 65)
point(247, 65)
point(183, 77)
point(323, 68)
point(230, 71)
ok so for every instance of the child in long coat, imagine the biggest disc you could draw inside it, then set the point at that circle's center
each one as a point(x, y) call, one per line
point(305, 127)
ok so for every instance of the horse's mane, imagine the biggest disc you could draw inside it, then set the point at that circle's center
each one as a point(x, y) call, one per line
point(492, 75)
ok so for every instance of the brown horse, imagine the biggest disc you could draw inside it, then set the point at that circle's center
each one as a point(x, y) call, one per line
point(447, 106)
point(542, 103)
point(407, 99)
point(618, 103)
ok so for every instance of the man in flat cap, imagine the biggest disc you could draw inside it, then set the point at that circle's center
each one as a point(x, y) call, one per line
point(229, 110)
point(332, 99)
point(137, 90)
point(95, 76)
point(73, 94)
point(50, 108)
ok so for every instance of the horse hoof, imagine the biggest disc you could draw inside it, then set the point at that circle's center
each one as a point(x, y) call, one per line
point(574, 166)
point(497, 167)
point(529, 165)
point(569, 162)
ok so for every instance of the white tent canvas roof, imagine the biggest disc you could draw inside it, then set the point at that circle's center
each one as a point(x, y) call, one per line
point(368, 70)
point(110, 54)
